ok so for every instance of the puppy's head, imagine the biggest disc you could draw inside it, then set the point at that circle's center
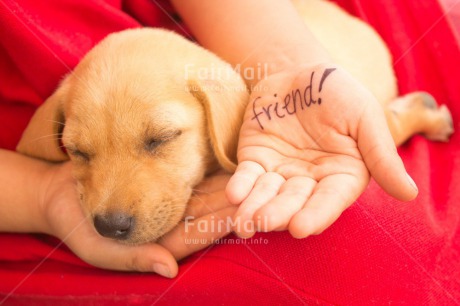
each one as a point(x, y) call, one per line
point(142, 123)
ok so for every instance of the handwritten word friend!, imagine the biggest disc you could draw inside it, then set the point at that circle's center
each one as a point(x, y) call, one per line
point(293, 102)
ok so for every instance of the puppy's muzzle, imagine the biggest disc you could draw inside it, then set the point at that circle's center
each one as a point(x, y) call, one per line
point(115, 225)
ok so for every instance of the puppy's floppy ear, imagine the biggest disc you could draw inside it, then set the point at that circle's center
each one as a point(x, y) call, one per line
point(224, 100)
point(42, 136)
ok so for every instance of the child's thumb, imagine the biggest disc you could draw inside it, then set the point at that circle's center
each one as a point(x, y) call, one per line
point(381, 157)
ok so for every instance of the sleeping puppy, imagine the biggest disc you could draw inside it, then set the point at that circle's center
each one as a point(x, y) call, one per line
point(141, 128)
point(147, 114)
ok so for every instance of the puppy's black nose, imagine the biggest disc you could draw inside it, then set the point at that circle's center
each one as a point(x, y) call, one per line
point(116, 225)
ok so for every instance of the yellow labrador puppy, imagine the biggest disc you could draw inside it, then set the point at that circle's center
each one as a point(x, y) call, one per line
point(146, 114)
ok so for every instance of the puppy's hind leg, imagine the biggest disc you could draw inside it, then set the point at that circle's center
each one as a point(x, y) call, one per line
point(418, 113)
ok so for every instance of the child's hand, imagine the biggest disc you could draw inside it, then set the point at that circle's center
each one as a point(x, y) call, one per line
point(309, 139)
point(66, 221)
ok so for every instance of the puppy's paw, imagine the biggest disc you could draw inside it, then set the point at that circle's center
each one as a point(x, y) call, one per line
point(426, 100)
point(442, 126)
point(419, 113)
point(438, 119)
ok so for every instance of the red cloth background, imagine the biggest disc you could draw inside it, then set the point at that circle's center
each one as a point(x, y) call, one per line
point(379, 252)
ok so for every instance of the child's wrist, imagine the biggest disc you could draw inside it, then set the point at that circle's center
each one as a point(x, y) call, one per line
point(43, 203)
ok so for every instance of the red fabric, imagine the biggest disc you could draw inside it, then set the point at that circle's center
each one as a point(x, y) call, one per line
point(379, 252)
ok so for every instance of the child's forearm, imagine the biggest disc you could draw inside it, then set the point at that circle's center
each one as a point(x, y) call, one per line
point(21, 179)
point(252, 33)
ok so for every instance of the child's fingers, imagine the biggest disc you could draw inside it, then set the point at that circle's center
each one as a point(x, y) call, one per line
point(188, 237)
point(204, 204)
point(381, 157)
point(193, 235)
point(79, 235)
point(110, 254)
point(330, 198)
point(277, 213)
point(215, 182)
point(242, 182)
point(266, 188)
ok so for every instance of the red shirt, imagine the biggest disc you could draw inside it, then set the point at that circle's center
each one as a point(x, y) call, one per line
point(380, 251)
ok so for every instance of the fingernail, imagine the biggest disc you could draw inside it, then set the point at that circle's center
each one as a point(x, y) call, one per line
point(162, 269)
point(245, 235)
point(411, 181)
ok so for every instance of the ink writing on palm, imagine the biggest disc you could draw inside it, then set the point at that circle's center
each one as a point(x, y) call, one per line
point(309, 142)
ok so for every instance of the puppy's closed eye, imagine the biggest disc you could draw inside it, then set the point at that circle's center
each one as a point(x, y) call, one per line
point(79, 155)
point(152, 143)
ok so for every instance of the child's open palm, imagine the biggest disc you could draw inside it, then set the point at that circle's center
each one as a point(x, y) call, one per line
point(310, 140)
